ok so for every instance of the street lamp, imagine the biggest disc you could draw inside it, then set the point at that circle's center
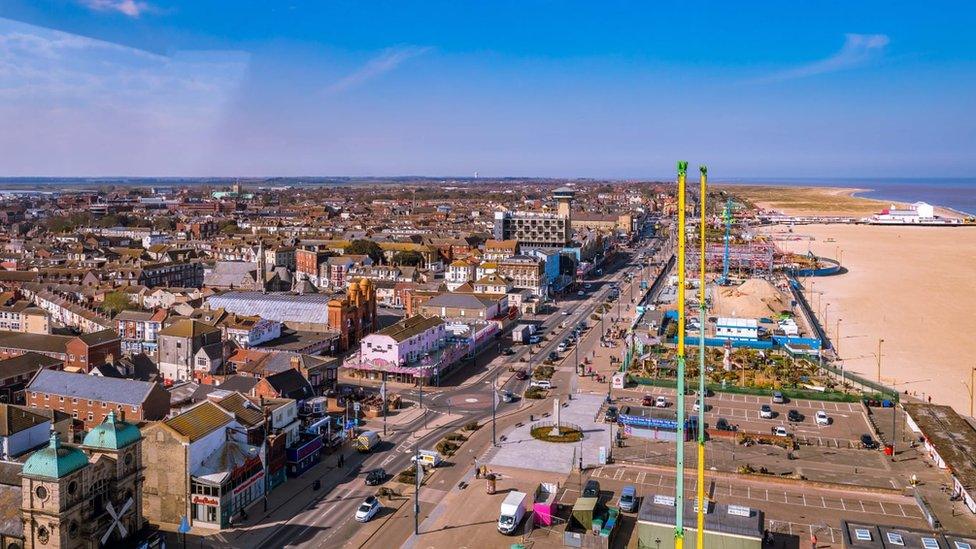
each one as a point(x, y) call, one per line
point(880, 341)
point(837, 334)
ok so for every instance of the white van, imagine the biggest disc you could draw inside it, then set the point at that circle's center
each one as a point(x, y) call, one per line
point(428, 458)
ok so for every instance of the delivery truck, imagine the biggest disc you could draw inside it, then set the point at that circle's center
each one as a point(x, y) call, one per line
point(367, 441)
point(522, 333)
point(512, 513)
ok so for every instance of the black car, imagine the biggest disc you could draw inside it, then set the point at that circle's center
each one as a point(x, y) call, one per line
point(591, 489)
point(723, 425)
point(611, 414)
point(868, 442)
point(508, 351)
point(794, 415)
point(553, 355)
point(375, 477)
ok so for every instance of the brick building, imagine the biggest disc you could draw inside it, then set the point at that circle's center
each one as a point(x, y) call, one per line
point(89, 399)
point(79, 353)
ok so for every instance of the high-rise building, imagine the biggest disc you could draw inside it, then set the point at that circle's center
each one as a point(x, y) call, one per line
point(538, 229)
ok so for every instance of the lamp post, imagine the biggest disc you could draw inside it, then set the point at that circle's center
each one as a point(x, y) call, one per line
point(837, 335)
point(880, 341)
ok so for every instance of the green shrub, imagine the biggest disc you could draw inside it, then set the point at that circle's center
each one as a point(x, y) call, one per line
point(471, 426)
point(535, 393)
point(446, 447)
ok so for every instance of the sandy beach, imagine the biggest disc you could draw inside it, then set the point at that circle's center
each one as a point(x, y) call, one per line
point(912, 286)
point(834, 201)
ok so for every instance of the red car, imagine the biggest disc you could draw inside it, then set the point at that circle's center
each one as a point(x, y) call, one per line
point(521, 375)
point(648, 400)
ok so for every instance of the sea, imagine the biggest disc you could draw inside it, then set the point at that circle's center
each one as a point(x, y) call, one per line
point(955, 193)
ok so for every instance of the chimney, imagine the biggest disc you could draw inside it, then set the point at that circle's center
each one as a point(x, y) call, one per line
point(296, 362)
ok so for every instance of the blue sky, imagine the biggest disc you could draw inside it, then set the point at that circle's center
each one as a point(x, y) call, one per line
point(596, 89)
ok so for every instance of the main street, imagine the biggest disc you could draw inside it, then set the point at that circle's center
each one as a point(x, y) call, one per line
point(327, 518)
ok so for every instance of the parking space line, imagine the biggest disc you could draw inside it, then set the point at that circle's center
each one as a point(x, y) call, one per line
point(883, 510)
point(862, 506)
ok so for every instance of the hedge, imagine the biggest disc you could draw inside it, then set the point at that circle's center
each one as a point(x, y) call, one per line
point(829, 396)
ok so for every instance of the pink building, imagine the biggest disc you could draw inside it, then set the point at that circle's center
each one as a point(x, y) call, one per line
point(415, 348)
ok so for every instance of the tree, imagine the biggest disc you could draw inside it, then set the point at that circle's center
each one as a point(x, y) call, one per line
point(408, 259)
point(116, 302)
point(366, 247)
point(229, 227)
point(163, 224)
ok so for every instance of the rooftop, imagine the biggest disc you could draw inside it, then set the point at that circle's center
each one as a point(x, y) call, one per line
point(200, 421)
point(410, 327)
point(54, 461)
point(120, 391)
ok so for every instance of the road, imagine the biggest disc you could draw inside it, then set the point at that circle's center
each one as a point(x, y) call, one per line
point(328, 519)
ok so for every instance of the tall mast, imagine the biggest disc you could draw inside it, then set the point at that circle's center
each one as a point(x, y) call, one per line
point(700, 494)
point(679, 481)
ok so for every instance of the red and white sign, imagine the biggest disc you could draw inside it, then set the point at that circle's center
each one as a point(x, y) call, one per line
point(206, 501)
point(244, 486)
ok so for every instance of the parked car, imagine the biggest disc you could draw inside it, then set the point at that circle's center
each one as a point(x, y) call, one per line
point(375, 477)
point(778, 398)
point(766, 411)
point(780, 431)
point(561, 347)
point(611, 415)
point(591, 489)
point(367, 509)
point(868, 442)
point(661, 402)
point(794, 415)
point(648, 400)
point(723, 425)
point(521, 374)
point(508, 351)
point(553, 355)
point(822, 418)
point(581, 293)
point(542, 384)
point(628, 499)
point(507, 396)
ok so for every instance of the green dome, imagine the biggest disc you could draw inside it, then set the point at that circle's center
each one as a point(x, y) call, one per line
point(112, 434)
point(54, 461)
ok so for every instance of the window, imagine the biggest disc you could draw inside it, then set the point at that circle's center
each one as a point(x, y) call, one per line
point(74, 414)
point(895, 538)
point(104, 404)
point(962, 545)
point(930, 543)
point(862, 534)
point(60, 399)
point(40, 492)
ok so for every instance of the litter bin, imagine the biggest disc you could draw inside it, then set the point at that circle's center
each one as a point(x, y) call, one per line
point(490, 484)
point(889, 450)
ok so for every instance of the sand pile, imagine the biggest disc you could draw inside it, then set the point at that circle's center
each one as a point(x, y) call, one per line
point(754, 298)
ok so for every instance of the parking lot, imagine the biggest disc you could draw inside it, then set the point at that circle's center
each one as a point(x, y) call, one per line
point(847, 419)
point(796, 510)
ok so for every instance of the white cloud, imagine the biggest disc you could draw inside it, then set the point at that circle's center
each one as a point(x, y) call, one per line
point(858, 50)
point(131, 8)
point(71, 103)
point(387, 61)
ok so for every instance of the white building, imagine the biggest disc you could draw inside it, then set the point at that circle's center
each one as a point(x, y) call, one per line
point(737, 329)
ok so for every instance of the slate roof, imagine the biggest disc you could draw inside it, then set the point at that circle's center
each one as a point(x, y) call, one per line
point(44, 343)
point(14, 419)
point(291, 383)
point(120, 391)
point(458, 301)
point(242, 384)
point(28, 362)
